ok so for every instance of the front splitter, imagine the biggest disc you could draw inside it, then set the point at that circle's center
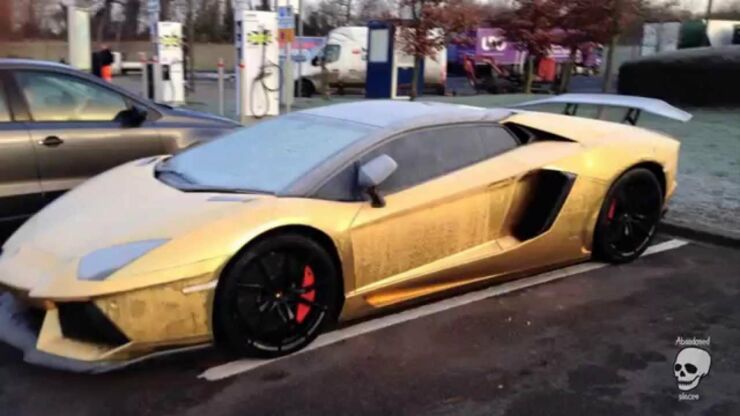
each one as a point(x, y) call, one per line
point(16, 330)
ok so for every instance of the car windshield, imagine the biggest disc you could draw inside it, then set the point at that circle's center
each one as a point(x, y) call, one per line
point(265, 157)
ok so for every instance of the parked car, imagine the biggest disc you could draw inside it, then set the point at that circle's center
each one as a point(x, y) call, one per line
point(60, 126)
point(263, 238)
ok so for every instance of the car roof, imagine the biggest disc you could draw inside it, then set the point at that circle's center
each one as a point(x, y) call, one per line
point(15, 64)
point(389, 117)
point(395, 114)
point(32, 63)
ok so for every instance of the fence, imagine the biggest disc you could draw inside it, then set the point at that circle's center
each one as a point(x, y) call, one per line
point(205, 55)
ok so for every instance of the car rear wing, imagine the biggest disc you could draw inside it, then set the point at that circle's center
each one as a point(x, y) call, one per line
point(634, 105)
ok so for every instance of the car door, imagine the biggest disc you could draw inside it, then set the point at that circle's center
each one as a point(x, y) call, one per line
point(445, 205)
point(74, 128)
point(20, 188)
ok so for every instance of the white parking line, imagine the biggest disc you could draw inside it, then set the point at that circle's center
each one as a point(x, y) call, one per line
point(241, 366)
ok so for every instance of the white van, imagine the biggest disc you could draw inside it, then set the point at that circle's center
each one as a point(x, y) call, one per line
point(345, 53)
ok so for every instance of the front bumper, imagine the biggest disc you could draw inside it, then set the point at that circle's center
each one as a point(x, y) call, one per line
point(108, 332)
point(26, 328)
point(20, 325)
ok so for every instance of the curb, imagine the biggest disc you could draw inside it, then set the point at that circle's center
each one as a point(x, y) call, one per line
point(712, 237)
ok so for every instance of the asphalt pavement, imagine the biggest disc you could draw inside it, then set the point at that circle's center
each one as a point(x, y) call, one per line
point(601, 342)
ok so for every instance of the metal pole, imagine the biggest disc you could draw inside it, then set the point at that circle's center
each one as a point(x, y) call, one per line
point(709, 10)
point(191, 45)
point(221, 86)
point(158, 80)
point(242, 88)
point(288, 77)
point(300, 48)
point(144, 75)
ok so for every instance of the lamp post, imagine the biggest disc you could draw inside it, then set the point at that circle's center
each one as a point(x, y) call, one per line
point(709, 10)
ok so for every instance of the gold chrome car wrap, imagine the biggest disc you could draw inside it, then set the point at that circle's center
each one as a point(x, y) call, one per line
point(445, 233)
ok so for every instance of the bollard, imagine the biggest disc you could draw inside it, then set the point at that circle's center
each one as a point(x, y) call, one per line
point(157, 79)
point(144, 75)
point(240, 98)
point(221, 86)
point(288, 77)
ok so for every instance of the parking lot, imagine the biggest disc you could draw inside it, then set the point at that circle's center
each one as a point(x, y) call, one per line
point(589, 339)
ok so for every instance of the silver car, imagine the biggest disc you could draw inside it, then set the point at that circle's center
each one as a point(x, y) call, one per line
point(60, 126)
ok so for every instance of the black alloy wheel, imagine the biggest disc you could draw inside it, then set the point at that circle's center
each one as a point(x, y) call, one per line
point(629, 216)
point(276, 297)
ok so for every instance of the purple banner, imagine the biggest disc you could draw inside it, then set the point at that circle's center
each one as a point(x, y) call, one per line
point(491, 43)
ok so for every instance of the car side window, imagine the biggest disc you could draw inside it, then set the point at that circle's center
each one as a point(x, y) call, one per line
point(342, 186)
point(426, 154)
point(4, 109)
point(58, 97)
point(497, 140)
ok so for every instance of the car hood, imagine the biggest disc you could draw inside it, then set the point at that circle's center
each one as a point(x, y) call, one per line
point(128, 204)
point(122, 205)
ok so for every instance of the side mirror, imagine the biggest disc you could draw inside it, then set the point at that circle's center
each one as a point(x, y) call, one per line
point(132, 117)
point(315, 61)
point(374, 173)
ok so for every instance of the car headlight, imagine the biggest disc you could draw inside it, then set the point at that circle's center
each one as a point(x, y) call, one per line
point(100, 264)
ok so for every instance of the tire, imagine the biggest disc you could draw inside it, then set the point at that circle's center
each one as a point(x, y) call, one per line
point(276, 297)
point(628, 217)
point(308, 89)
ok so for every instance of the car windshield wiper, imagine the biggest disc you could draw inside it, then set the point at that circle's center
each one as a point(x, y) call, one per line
point(188, 184)
point(161, 169)
point(222, 190)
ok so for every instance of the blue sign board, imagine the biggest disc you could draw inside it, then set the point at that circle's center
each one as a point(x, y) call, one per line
point(285, 17)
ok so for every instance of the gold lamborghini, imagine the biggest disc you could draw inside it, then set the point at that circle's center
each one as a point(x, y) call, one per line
point(261, 239)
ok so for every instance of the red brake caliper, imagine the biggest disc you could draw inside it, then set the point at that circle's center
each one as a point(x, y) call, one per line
point(612, 208)
point(308, 281)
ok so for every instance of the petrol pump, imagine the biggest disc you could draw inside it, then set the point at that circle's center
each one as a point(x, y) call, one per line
point(78, 36)
point(258, 73)
point(168, 69)
point(388, 67)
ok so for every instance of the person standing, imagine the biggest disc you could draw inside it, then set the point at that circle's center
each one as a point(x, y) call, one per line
point(102, 61)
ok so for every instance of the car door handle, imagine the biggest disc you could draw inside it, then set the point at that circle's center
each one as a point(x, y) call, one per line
point(51, 141)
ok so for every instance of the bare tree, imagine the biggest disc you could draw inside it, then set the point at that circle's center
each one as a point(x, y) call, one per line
point(102, 19)
point(165, 7)
point(372, 9)
point(31, 26)
point(264, 5)
point(6, 19)
point(430, 25)
point(190, 23)
point(327, 15)
point(207, 20)
point(131, 10)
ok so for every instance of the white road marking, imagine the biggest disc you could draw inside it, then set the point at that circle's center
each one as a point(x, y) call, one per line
point(241, 366)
